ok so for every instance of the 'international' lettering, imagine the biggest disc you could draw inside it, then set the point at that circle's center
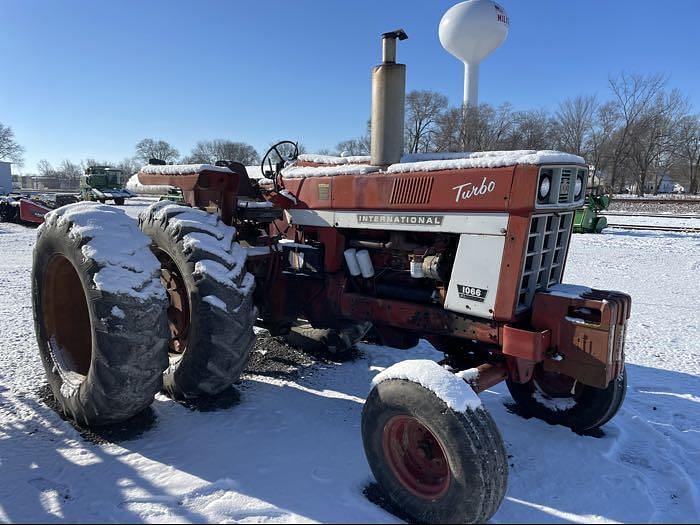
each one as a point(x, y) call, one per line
point(417, 220)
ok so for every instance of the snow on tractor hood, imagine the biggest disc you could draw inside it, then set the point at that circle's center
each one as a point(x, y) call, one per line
point(326, 165)
point(181, 169)
point(481, 159)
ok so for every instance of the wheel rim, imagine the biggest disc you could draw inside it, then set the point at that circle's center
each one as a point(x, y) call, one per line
point(66, 319)
point(556, 385)
point(416, 457)
point(178, 303)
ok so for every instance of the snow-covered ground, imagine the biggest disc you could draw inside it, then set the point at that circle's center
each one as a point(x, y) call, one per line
point(289, 449)
point(654, 221)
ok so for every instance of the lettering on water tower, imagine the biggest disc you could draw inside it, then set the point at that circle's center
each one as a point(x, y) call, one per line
point(501, 15)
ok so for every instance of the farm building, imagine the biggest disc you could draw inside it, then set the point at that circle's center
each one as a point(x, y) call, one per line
point(5, 178)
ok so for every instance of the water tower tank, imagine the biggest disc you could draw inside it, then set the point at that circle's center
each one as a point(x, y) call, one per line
point(471, 31)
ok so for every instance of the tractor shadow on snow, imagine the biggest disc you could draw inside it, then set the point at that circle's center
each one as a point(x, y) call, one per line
point(122, 432)
point(281, 422)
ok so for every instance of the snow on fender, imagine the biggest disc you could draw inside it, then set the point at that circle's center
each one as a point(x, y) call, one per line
point(455, 392)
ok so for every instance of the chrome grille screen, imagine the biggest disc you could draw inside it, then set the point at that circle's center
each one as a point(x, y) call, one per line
point(547, 243)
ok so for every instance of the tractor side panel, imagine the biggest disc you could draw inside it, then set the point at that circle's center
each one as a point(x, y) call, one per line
point(475, 276)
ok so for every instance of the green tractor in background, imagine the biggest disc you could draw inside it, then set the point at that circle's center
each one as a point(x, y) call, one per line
point(588, 219)
point(103, 183)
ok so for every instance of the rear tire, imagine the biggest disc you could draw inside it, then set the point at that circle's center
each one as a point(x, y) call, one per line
point(99, 313)
point(8, 213)
point(587, 409)
point(458, 471)
point(119, 201)
point(211, 313)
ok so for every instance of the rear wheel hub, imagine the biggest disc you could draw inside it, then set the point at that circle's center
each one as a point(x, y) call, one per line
point(179, 303)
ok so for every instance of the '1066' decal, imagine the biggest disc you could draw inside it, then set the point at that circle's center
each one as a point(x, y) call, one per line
point(468, 190)
point(471, 292)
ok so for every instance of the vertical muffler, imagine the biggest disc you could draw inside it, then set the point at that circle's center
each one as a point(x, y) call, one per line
point(388, 99)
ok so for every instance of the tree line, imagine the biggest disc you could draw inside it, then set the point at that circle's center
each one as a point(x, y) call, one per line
point(204, 152)
point(639, 132)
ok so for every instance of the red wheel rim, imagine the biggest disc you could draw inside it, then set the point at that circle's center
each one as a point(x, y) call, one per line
point(416, 457)
point(179, 304)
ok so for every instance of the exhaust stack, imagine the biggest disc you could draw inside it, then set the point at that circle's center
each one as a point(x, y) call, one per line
point(388, 99)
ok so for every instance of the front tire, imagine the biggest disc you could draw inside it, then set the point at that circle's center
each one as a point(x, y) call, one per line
point(435, 464)
point(560, 400)
point(211, 313)
point(99, 313)
point(119, 201)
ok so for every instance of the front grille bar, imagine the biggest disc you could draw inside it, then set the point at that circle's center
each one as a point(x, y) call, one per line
point(547, 243)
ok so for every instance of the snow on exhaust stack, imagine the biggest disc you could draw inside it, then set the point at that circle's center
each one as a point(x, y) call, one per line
point(388, 98)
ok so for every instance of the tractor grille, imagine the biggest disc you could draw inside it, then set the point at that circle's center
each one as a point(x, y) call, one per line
point(411, 190)
point(547, 243)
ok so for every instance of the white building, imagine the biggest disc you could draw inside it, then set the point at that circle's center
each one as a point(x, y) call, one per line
point(666, 185)
point(5, 178)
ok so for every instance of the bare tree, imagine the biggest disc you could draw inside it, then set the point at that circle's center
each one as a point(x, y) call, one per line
point(10, 150)
point(600, 140)
point(689, 150)
point(632, 95)
point(423, 110)
point(474, 128)
point(68, 170)
point(129, 166)
point(209, 151)
point(531, 130)
point(652, 138)
point(357, 146)
point(573, 125)
point(155, 149)
point(45, 169)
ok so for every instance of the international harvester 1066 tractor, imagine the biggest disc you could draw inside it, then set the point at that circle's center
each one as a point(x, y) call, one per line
point(465, 250)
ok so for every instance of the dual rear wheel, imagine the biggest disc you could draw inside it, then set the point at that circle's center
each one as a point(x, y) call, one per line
point(122, 313)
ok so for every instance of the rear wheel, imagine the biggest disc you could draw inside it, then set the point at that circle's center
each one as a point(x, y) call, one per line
point(435, 464)
point(99, 313)
point(211, 312)
point(119, 201)
point(8, 213)
point(561, 400)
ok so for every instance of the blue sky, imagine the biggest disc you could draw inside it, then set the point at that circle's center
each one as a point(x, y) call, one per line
point(85, 79)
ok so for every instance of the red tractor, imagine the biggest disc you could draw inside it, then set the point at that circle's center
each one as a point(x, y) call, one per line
point(464, 250)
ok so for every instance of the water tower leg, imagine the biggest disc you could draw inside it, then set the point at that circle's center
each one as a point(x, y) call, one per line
point(471, 84)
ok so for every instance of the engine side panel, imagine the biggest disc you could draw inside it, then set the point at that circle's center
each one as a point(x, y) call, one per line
point(475, 276)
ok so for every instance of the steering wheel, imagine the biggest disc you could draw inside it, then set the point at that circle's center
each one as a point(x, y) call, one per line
point(282, 152)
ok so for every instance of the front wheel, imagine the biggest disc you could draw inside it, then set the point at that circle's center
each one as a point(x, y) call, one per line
point(561, 400)
point(435, 464)
point(119, 201)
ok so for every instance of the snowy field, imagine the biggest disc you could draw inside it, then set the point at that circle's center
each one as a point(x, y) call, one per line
point(288, 448)
point(641, 220)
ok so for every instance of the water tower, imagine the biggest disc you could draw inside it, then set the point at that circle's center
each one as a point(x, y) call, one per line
point(471, 31)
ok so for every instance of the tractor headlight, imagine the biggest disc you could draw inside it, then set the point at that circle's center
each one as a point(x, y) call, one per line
point(545, 186)
point(578, 188)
